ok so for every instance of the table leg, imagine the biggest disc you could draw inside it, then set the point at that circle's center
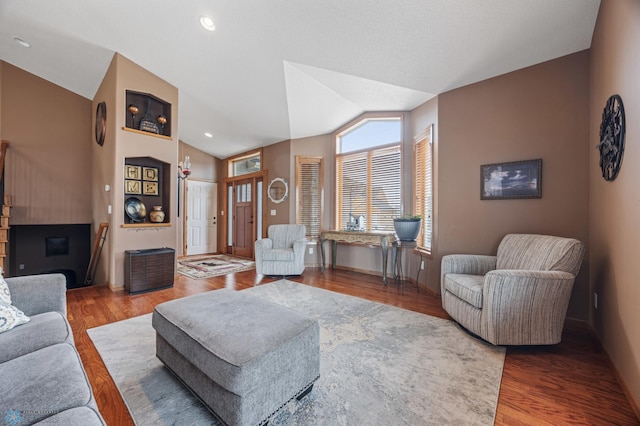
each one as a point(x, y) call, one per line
point(334, 251)
point(385, 249)
point(322, 254)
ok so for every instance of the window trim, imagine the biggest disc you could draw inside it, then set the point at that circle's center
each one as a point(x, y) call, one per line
point(300, 160)
point(425, 137)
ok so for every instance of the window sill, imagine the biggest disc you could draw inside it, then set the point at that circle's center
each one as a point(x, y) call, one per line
point(424, 252)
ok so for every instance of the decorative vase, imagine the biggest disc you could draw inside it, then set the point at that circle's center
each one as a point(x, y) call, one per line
point(407, 229)
point(156, 215)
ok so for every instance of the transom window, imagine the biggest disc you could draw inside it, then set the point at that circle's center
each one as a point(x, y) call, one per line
point(245, 164)
point(369, 175)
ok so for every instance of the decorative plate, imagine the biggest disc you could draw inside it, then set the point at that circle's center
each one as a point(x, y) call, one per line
point(135, 209)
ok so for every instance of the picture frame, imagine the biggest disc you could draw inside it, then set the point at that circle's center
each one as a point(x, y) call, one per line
point(511, 180)
point(132, 172)
point(150, 174)
point(132, 186)
point(150, 188)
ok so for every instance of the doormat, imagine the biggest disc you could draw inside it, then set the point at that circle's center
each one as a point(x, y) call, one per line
point(213, 265)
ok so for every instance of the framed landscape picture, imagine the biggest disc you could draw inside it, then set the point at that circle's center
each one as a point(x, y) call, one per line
point(513, 180)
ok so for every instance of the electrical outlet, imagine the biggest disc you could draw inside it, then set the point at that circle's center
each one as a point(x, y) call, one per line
point(273, 212)
point(422, 265)
point(595, 300)
point(310, 250)
point(21, 266)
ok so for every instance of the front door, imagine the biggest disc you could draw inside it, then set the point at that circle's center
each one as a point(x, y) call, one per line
point(243, 218)
point(202, 205)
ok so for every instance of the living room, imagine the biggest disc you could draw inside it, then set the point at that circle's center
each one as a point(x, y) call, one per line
point(551, 110)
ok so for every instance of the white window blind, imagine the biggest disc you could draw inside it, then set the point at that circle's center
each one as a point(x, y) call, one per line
point(369, 188)
point(424, 186)
point(309, 176)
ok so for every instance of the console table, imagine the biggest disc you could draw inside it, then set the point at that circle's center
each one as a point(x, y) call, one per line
point(382, 239)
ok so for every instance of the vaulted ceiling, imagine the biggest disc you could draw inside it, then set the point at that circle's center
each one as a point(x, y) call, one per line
point(281, 69)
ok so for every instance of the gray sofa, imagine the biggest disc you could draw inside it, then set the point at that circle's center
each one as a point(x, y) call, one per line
point(42, 377)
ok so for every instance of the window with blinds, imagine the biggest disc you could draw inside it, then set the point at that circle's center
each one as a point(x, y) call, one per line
point(424, 186)
point(309, 178)
point(369, 189)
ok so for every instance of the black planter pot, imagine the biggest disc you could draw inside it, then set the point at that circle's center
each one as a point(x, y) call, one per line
point(407, 229)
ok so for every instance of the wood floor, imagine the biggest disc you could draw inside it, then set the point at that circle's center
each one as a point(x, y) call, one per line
point(566, 384)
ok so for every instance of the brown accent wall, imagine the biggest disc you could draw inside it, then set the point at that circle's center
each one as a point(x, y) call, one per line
point(125, 75)
point(49, 131)
point(537, 112)
point(277, 161)
point(614, 206)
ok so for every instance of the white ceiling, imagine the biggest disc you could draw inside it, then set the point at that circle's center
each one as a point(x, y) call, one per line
point(280, 69)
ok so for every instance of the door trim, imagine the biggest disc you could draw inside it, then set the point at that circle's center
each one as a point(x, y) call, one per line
point(185, 212)
point(222, 206)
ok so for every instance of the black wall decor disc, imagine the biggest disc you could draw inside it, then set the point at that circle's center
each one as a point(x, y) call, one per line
point(611, 144)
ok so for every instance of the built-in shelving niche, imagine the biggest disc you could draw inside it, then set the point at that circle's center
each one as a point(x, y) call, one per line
point(148, 180)
point(149, 108)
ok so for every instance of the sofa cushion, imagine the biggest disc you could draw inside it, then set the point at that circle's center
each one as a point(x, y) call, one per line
point(465, 287)
point(44, 383)
point(84, 416)
point(43, 330)
point(286, 255)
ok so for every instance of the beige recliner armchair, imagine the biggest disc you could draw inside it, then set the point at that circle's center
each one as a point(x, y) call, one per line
point(520, 296)
point(283, 252)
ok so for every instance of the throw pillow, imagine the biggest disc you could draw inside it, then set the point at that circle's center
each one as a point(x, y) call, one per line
point(5, 296)
point(10, 316)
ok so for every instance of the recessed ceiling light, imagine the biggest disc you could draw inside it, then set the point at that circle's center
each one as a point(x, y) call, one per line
point(21, 42)
point(207, 23)
point(209, 135)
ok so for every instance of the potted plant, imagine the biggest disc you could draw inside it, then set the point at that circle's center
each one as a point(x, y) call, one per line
point(407, 227)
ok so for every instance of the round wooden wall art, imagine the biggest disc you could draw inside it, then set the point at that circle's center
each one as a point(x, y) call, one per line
point(611, 144)
point(101, 122)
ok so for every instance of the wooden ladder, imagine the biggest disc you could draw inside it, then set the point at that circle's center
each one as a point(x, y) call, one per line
point(6, 211)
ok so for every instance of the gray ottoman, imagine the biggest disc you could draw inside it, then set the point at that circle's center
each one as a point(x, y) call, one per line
point(244, 357)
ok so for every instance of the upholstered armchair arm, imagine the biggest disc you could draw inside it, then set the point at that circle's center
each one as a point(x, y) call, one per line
point(299, 246)
point(525, 307)
point(468, 264)
point(36, 294)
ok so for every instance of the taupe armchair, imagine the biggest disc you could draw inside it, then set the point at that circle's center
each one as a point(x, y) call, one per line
point(283, 252)
point(520, 296)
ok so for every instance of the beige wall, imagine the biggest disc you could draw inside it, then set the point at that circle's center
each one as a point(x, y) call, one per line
point(125, 75)
point(614, 208)
point(537, 112)
point(49, 131)
point(277, 161)
point(315, 146)
point(103, 172)
point(204, 167)
point(420, 119)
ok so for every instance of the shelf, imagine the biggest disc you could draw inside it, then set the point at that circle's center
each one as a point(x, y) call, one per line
point(146, 225)
point(147, 133)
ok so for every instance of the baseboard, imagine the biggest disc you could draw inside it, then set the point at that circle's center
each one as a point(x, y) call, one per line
point(585, 325)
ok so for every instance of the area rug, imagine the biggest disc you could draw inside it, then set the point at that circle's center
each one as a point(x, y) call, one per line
point(213, 265)
point(380, 365)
